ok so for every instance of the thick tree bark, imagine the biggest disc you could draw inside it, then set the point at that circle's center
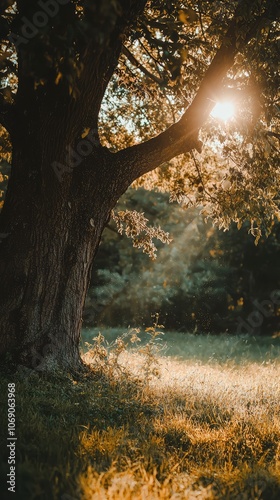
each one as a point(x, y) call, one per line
point(46, 258)
point(53, 223)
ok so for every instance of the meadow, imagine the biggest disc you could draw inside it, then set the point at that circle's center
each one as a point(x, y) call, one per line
point(173, 416)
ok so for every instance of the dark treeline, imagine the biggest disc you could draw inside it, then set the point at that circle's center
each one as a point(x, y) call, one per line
point(206, 280)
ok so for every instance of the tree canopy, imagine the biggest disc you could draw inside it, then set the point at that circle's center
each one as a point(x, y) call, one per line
point(172, 58)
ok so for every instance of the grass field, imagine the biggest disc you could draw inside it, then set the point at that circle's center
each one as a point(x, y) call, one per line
point(198, 419)
point(222, 348)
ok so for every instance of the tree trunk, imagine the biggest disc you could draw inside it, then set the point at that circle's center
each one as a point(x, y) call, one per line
point(53, 228)
point(62, 189)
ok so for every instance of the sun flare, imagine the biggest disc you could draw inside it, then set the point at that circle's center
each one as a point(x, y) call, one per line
point(223, 111)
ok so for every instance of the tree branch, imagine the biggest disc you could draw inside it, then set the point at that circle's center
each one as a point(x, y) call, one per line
point(140, 66)
point(102, 58)
point(273, 134)
point(182, 137)
point(156, 61)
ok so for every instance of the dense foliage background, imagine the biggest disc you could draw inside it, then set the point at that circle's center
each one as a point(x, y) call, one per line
point(205, 280)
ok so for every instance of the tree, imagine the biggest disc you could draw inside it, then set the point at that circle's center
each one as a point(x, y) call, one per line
point(63, 65)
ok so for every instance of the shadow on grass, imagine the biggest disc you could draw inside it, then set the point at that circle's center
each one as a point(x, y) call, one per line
point(63, 426)
point(79, 438)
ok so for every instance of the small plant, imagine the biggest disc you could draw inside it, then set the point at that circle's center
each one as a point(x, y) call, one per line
point(106, 355)
point(98, 351)
point(151, 351)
